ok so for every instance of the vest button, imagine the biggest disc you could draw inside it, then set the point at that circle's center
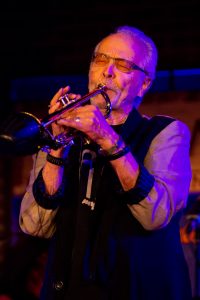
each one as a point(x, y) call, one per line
point(58, 285)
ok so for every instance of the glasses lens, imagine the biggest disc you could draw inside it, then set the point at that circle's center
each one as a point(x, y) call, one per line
point(123, 65)
point(100, 59)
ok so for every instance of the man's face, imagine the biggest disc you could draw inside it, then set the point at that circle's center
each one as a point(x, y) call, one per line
point(109, 68)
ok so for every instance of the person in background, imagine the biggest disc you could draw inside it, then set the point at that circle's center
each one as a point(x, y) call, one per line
point(111, 200)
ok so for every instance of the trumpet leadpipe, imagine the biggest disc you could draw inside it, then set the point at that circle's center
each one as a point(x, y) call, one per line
point(69, 104)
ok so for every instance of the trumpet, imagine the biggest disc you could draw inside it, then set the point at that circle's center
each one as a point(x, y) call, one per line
point(25, 134)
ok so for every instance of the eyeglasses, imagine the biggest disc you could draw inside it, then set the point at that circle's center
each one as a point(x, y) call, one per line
point(124, 65)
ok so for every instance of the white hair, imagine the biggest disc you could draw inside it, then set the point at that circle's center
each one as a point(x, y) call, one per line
point(150, 59)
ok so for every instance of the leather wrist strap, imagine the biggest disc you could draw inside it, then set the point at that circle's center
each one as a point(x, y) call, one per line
point(116, 147)
point(118, 154)
point(115, 152)
point(55, 160)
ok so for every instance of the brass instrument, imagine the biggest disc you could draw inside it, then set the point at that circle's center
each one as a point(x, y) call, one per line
point(25, 134)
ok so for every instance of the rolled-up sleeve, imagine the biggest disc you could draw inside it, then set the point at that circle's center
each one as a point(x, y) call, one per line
point(34, 219)
point(168, 160)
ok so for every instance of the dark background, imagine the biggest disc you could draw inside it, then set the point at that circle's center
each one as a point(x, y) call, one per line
point(49, 38)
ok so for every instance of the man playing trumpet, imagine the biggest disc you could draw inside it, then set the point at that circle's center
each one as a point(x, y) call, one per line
point(110, 201)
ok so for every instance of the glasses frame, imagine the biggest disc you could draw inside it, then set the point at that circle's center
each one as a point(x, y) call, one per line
point(115, 59)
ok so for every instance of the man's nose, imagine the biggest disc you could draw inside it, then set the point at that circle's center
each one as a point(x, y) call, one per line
point(109, 70)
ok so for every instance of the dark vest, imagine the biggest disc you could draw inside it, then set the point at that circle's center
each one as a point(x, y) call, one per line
point(106, 254)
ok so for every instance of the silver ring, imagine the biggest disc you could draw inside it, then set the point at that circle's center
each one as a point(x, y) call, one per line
point(77, 120)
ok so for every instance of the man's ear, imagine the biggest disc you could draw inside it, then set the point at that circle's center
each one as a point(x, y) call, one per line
point(148, 82)
point(145, 86)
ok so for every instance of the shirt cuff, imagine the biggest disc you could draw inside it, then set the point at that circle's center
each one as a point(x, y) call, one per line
point(144, 184)
point(42, 198)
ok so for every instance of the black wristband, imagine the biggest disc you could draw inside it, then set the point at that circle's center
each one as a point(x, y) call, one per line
point(55, 160)
point(118, 154)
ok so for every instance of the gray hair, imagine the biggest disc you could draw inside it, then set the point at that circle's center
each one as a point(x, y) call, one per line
point(150, 59)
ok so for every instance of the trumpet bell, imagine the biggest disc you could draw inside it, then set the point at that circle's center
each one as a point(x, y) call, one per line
point(21, 135)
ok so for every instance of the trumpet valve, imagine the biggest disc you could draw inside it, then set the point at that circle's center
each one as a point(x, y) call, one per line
point(64, 100)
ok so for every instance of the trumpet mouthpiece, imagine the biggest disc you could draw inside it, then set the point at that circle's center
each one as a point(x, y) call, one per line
point(101, 86)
